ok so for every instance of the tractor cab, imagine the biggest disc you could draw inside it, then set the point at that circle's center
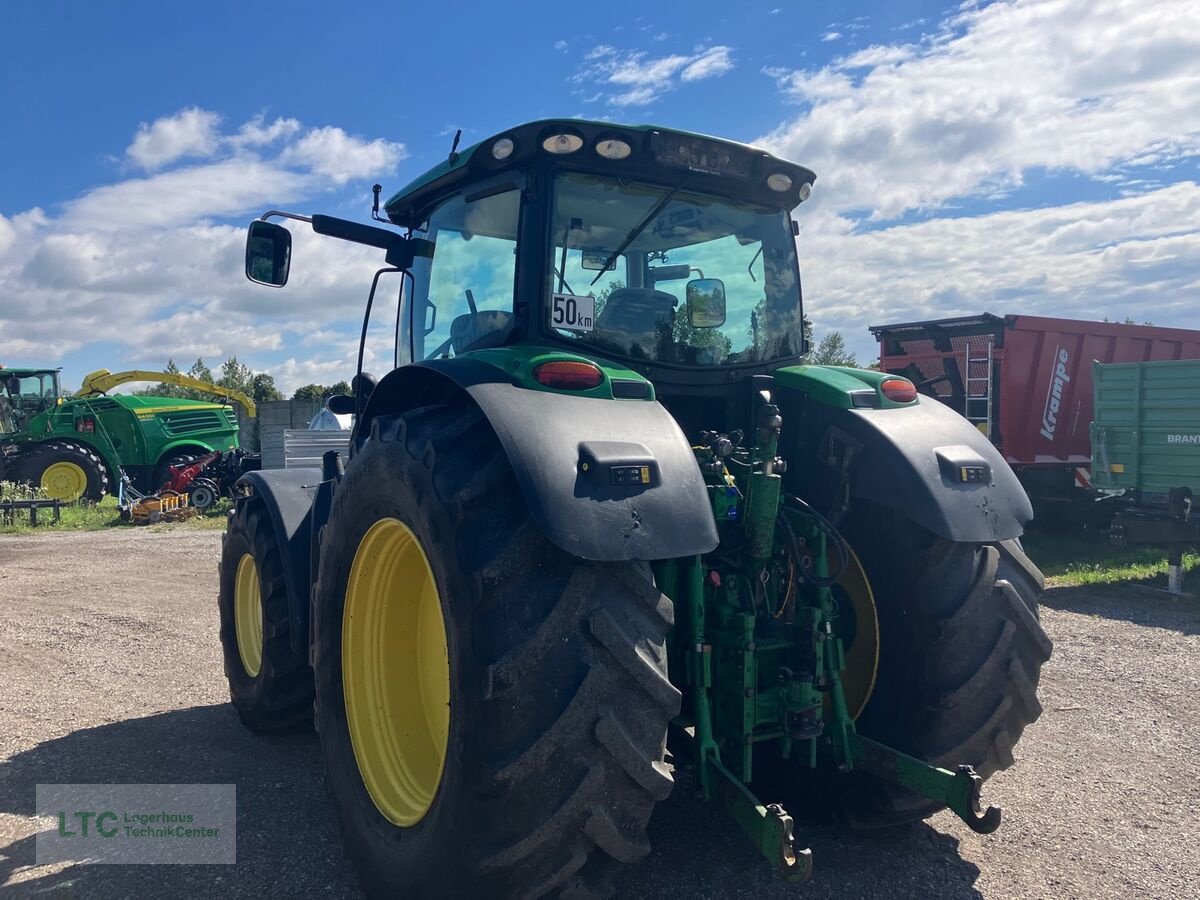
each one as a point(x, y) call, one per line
point(25, 393)
point(666, 252)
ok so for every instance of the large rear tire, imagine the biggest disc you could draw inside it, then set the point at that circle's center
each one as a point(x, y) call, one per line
point(65, 470)
point(270, 684)
point(961, 652)
point(542, 777)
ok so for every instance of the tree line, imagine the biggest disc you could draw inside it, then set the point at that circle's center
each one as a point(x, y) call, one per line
point(237, 376)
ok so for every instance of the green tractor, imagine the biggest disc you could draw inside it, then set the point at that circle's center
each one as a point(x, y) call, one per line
point(76, 447)
point(601, 515)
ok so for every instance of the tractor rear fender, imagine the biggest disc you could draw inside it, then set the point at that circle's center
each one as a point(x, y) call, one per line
point(921, 459)
point(287, 496)
point(580, 461)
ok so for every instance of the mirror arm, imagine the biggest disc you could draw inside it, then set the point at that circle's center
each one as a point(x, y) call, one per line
point(284, 215)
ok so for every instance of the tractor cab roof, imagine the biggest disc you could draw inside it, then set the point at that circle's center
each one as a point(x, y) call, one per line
point(8, 372)
point(633, 152)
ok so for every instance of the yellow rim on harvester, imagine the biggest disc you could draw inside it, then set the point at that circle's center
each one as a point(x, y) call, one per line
point(396, 672)
point(247, 615)
point(862, 652)
point(64, 481)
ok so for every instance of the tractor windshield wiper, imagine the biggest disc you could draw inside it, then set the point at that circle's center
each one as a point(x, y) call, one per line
point(637, 229)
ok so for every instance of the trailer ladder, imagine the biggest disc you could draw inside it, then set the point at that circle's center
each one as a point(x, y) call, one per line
point(977, 406)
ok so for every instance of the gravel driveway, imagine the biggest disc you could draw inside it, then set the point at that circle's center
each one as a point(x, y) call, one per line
point(111, 672)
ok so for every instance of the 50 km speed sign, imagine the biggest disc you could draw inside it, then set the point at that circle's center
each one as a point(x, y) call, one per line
point(572, 312)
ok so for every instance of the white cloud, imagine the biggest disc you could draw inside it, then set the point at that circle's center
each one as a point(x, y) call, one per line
point(1061, 85)
point(560, 46)
point(331, 152)
point(829, 36)
point(142, 264)
point(256, 133)
point(641, 79)
point(1137, 256)
point(224, 188)
point(190, 132)
point(712, 62)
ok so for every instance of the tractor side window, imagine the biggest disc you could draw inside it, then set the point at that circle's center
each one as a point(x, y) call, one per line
point(462, 297)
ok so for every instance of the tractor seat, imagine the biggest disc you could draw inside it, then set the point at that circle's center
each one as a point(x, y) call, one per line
point(637, 318)
point(486, 328)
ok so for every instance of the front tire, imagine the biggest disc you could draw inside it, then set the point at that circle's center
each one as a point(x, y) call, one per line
point(551, 758)
point(65, 470)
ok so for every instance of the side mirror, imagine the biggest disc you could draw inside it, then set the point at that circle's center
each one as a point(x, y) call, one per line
point(340, 405)
point(706, 302)
point(268, 253)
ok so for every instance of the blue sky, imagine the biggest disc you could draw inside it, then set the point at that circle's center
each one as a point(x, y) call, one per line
point(1036, 157)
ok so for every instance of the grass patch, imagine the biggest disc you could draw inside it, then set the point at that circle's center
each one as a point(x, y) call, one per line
point(1074, 560)
point(83, 516)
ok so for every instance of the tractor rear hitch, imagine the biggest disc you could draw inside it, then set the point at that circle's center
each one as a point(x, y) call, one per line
point(769, 826)
point(959, 790)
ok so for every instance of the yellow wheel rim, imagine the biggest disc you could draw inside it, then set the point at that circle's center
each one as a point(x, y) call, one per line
point(862, 651)
point(247, 615)
point(396, 672)
point(64, 481)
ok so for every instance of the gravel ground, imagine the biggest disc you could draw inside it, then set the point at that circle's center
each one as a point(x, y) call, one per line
point(111, 672)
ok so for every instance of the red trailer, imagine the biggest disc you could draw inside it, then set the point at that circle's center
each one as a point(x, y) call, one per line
point(1025, 381)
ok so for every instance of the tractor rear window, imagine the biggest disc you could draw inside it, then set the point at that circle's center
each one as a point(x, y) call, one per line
point(644, 273)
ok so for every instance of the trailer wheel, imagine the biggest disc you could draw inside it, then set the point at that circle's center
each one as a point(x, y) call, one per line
point(64, 470)
point(961, 651)
point(492, 711)
point(203, 493)
point(270, 684)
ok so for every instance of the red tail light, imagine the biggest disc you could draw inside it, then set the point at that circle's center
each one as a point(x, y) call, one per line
point(898, 390)
point(568, 376)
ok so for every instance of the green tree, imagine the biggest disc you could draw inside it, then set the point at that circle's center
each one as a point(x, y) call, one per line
point(318, 392)
point(831, 351)
point(262, 388)
point(200, 371)
point(236, 376)
point(314, 392)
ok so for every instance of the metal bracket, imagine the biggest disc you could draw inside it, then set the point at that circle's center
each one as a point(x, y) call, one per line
point(770, 826)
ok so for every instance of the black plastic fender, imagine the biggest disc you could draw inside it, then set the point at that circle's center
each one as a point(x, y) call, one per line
point(925, 461)
point(287, 495)
point(605, 480)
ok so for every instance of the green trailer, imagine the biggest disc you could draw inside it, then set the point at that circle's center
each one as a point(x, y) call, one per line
point(1146, 451)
